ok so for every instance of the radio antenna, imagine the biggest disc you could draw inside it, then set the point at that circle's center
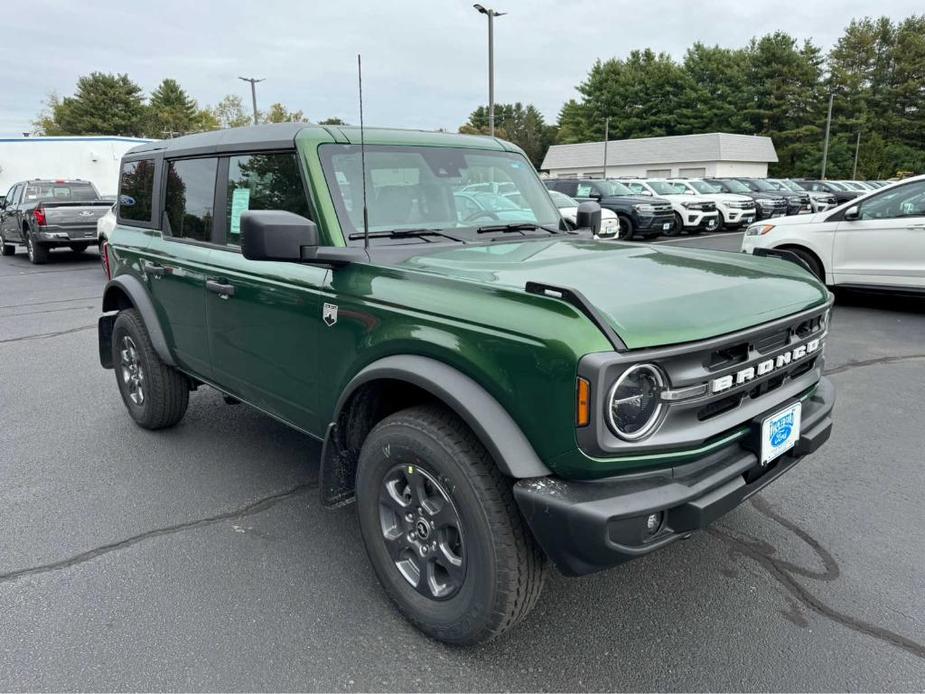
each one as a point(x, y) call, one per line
point(363, 156)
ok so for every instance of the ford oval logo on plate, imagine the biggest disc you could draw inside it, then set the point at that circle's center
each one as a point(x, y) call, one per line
point(780, 432)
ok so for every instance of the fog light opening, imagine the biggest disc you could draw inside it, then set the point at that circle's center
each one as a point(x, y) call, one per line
point(654, 523)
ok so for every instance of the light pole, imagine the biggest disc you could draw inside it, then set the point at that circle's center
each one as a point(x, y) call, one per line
point(828, 125)
point(253, 82)
point(606, 137)
point(857, 150)
point(491, 62)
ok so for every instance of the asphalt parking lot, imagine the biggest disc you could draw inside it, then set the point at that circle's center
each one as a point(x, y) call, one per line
point(199, 558)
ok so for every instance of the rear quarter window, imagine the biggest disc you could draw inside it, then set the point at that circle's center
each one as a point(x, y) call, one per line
point(136, 190)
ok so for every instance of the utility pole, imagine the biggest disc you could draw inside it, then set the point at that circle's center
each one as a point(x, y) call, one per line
point(606, 137)
point(857, 149)
point(253, 82)
point(828, 126)
point(491, 62)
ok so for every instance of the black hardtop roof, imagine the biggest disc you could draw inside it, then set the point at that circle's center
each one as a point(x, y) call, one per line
point(270, 136)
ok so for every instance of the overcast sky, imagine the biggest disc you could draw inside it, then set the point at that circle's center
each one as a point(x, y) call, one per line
point(425, 61)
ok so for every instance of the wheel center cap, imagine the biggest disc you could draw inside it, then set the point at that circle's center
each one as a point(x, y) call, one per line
point(422, 527)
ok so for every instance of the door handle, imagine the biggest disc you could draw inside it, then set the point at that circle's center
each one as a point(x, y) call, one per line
point(224, 291)
point(154, 270)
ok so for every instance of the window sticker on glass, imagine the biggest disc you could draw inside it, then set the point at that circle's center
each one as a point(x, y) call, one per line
point(240, 199)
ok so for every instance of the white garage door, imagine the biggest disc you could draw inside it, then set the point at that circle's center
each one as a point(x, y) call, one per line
point(695, 172)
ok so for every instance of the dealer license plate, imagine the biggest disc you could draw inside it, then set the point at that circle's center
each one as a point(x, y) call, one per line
point(748, 220)
point(780, 432)
point(666, 226)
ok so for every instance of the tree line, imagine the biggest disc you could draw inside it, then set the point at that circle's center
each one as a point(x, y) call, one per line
point(774, 86)
point(107, 104)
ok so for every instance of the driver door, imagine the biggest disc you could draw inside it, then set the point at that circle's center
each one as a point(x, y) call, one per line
point(885, 244)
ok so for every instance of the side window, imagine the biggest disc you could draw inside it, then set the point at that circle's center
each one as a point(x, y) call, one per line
point(189, 198)
point(262, 182)
point(637, 187)
point(13, 196)
point(136, 190)
point(583, 190)
point(902, 201)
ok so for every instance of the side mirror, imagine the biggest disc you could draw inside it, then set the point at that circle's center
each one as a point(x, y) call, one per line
point(589, 217)
point(852, 213)
point(595, 195)
point(688, 192)
point(276, 235)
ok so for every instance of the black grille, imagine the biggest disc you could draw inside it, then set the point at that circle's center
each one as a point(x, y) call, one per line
point(768, 343)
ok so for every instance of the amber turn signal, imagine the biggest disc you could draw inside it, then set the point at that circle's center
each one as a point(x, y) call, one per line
point(584, 403)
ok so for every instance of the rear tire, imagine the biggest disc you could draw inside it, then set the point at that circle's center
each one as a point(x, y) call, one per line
point(442, 529)
point(155, 394)
point(38, 253)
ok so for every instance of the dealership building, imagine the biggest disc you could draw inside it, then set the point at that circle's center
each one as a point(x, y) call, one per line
point(92, 158)
point(689, 156)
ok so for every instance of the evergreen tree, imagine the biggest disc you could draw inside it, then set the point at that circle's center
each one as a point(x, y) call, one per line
point(103, 104)
point(171, 111)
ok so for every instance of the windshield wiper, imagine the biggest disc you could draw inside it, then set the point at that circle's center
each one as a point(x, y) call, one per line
point(406, 233)
point(515, 226)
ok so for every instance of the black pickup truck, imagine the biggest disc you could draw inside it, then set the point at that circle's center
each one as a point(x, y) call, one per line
point(640, 216)
point(44, 214)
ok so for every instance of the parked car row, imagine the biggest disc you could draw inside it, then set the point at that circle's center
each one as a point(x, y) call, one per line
point(649, 207)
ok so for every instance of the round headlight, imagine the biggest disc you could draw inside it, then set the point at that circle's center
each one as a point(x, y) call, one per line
point(635, 402)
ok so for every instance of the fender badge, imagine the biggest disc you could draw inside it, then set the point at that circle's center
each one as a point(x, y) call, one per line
point(329, 314)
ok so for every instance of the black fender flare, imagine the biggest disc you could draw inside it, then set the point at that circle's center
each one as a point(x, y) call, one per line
point(136, 292)
point(490, 422)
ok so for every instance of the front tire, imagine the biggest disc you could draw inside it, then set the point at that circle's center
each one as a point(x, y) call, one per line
point(79, 247)
point(811, 261)
point(155, 394)
point(676, 228)
point(442, 530)
point(627, 228)
point(6, 249)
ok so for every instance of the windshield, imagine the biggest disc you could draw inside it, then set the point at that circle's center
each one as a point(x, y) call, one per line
point(614, 188)
point(64, 192)
point(789, 185)
point(762, 185)
point(664, 188)
point(438, 188)
point(704, 187)
point(562, 200)
point(734, 186)
point(836, 186)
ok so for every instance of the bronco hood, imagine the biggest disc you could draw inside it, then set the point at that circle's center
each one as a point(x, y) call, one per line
point(650, 295)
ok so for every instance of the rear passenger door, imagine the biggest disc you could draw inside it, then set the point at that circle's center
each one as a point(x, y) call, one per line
point(179, 259)
point(264, 317)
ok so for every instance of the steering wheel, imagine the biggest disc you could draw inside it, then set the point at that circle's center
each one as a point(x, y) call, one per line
point(482, 213)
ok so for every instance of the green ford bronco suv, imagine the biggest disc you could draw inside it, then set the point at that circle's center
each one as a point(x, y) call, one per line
point(494, 387)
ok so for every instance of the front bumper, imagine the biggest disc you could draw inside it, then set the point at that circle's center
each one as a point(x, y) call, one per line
point(767, 212)
point(589, 526)
point(739, 217)
point(700, 219)
point(654, 224)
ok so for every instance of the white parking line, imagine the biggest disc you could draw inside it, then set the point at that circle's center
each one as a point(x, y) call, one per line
point(701, 237)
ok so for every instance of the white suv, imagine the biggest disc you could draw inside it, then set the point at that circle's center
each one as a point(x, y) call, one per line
point(693, 213)
point(875, 241)
point(734, 210)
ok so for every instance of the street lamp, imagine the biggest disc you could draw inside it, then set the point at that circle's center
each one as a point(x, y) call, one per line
point(253, 82)
point(491, 14)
